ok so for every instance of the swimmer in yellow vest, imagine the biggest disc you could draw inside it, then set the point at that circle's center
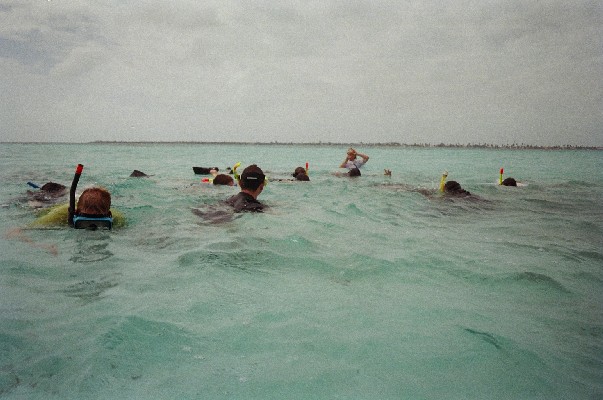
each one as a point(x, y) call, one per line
point(93, 201)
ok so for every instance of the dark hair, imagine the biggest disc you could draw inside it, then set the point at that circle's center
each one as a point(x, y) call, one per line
point(509, 182)
point(302, 177)
point(299, 170)
point(252, 177)
point(354, 172)
point(454, 187)
point(52, 187)
point(223, 179)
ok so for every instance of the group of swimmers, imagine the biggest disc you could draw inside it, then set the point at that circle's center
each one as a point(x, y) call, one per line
point(94, 210)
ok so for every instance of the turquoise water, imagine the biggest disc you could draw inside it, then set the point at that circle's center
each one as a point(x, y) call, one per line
point(372, 288)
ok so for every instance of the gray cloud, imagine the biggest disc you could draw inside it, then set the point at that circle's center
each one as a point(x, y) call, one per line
point(455, 72)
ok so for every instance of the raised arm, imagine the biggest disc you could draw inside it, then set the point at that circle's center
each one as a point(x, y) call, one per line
point(364, 157)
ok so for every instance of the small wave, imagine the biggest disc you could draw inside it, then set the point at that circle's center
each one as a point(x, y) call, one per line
point(88, 290)
point(572, 184)
point(541, 280)
point(246, 261)
point(486, 337)
point(549, 206)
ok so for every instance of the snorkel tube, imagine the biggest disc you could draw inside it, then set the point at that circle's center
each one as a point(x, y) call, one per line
point(76, 179)
point(306, 168)
point(501, 175)
point(234, 171)
point(443, 181)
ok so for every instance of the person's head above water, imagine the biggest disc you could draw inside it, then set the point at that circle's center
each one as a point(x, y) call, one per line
point(94, 201)
point(252, 179)
point(302, 177)
point(299, 170)
point(52, 187)
point(300, 174)
point(223, 179)
point(252, 182)
point(453, 187)
point(351, 160)
point(509, 182)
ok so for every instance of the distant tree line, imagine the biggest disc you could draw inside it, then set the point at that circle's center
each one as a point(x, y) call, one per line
point(381, 144)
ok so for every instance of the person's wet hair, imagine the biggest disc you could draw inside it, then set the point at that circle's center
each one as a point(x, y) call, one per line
point(509, 182)
point(302, 177)
point(252, 177)
point(299, 170)
point(453, 187)
point(94, 201)
point(53, 187)
point(223, 179)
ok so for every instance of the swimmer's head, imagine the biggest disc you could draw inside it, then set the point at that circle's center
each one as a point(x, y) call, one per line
point(302, 177)
point(94, 201)
point(52, 187)
point(509, 182)
point(453, 187)
point(252, 177)
point(223, 179)
point(299, 170)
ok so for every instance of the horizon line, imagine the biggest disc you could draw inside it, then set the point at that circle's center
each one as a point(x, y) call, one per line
point(516, 146)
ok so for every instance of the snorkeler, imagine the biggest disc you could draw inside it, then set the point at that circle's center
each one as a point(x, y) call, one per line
point(506, 181)
point(252, 182)
point(452, 187)
point(223, 179)
point(301, 174)
point(48, 194)
point(92, 210)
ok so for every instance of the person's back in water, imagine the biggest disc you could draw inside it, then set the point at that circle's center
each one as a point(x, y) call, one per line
point(244, 202)
point(252, 182)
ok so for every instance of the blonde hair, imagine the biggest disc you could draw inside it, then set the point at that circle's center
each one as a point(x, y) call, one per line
point(94, 201)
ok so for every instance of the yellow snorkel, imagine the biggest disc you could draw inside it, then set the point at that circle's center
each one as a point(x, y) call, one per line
point(501, 175)
point(234, 171)
point(443, 181)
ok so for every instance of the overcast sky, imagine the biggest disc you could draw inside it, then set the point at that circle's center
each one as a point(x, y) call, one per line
point(506, 71)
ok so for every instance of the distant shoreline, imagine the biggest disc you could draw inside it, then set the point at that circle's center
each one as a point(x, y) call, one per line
point(513, 146)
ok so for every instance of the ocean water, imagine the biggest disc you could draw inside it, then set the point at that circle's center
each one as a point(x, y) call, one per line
point(369, 288)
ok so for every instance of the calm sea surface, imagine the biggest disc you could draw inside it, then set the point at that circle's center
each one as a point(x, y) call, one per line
point(367, 288)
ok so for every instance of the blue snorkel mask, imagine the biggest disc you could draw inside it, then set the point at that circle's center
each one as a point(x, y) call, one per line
point(92, 222)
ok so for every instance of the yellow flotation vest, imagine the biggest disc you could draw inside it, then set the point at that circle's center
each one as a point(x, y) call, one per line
point(57, 216)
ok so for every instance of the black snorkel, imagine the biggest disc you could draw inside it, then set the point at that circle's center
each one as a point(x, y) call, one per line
point(76, 179)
